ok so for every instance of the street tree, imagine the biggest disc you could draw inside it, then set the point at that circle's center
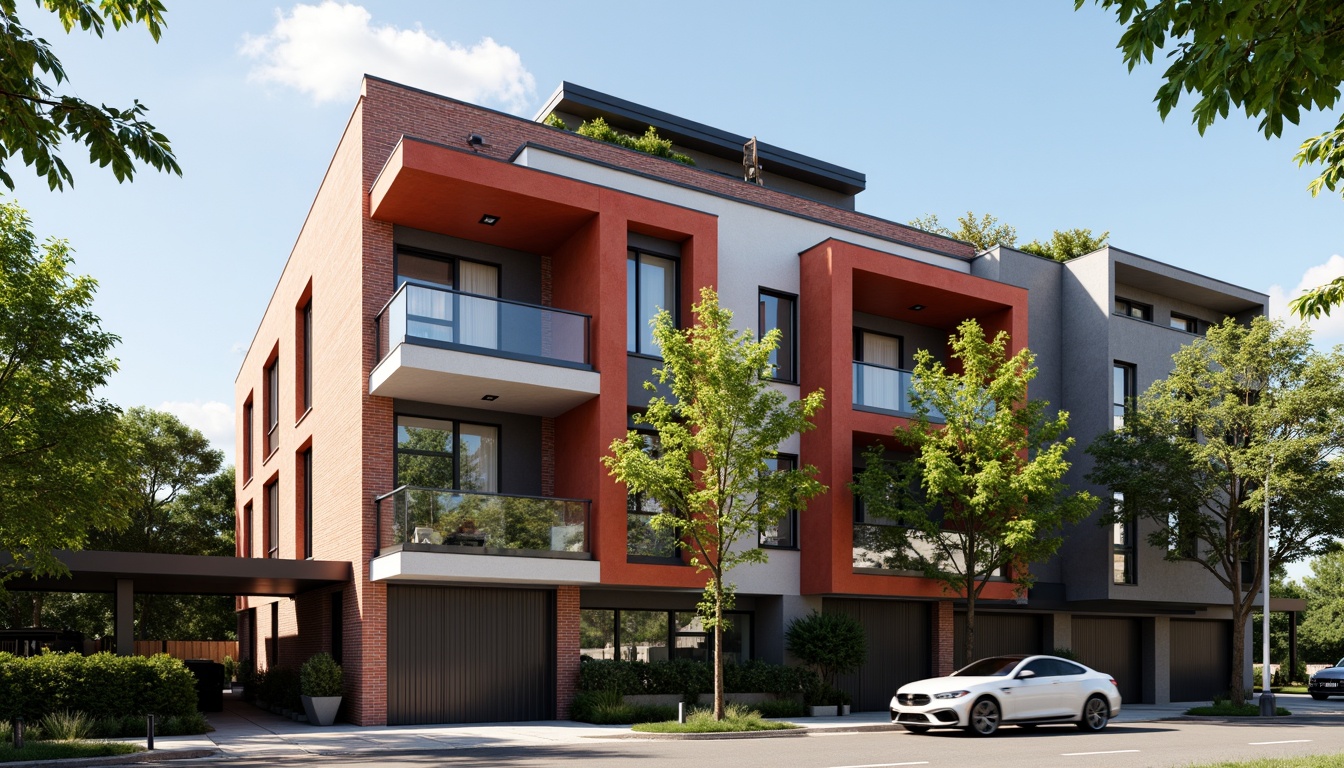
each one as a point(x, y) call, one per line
point(63, 461)
point(1321, 633)
point(1242, 406)
point(35, 119)
point(1273, 59)
point(717, 436)
point(982, 488)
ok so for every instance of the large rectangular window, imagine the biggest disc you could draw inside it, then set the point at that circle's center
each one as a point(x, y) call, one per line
point(776, 310)
point(651, 286)
point(1122, 548)
point(783, 534)
point(658, 635)
point(306, 468)
point(1185, 323)
point(641, 538)
point(272, 406)
point(440, 453)
point(306, 364)
point(1122, 393)
point(273, 520)
point(1133, 309)
point(248, 426)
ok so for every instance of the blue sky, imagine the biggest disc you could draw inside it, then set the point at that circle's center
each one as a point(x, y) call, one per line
point(1020, 110)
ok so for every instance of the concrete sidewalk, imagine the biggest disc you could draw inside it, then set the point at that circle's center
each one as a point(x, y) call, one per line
point(243, 730)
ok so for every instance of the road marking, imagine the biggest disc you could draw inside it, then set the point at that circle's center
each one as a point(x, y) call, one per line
point(1111, 752)
point(1289, 741)
point(882, 765)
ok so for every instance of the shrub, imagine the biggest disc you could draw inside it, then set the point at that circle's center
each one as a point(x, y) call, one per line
point(280, 687)
point(320, 676)
point(68, 725)
point(689, 678)
point(830, 643)
point(1285, 676)
point(607, 708)
point(780, 708)
point(230, 668)
point(101, 685)
point(649, 143)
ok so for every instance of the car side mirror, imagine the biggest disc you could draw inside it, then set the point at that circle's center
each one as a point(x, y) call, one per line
point(1024, 674)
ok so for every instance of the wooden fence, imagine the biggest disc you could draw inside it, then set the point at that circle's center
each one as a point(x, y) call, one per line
point(215, 650)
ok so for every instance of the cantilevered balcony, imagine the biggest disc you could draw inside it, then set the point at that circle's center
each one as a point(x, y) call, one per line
point(443, 346)
point(452, 535)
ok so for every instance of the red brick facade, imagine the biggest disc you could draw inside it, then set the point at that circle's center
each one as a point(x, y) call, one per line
point(566, 648)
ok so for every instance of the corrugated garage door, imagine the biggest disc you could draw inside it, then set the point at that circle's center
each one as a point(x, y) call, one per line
point(469, 655)
point(1112, 645)
point(898, 648)
point(1201, 659)
point(997, 634)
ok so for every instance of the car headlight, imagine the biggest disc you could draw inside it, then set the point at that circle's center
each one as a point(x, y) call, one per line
point(950, 695)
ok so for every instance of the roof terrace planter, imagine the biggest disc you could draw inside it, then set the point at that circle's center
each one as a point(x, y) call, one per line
point(444, 346)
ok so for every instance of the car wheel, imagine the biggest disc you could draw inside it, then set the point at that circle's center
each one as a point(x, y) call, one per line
point(985, 716)
point(1320, 696)
point(917, 729)
point(1096, 713)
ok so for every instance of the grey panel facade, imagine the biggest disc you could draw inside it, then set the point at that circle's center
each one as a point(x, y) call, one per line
point(469, 655)
point(899, 637)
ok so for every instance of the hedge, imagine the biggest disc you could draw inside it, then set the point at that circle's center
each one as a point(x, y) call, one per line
point(102, 685)
point(689, 678)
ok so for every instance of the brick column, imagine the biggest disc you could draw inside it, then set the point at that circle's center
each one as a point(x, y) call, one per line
point(566, 648)
point(944, 637)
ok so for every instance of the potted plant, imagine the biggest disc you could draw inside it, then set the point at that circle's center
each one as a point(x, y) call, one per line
point(320, 682)
point(831, 644)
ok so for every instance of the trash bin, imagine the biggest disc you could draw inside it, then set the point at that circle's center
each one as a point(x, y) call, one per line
point(209, 684)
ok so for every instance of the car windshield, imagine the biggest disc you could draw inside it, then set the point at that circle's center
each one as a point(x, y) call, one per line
point(996, 666)
point(1341, 663)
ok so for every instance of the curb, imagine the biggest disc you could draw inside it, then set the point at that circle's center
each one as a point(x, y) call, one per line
point(156, 756)
point(789, 733)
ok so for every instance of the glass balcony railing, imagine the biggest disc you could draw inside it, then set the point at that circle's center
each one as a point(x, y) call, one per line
point(886, 389)
point(439, 317)
point(446, 519)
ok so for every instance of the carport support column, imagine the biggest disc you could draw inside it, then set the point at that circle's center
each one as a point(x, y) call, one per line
point(125, 617)
point(944, 637)
point(1157, 660)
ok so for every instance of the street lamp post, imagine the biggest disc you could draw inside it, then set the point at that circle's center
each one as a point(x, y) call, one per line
point(1267, 703)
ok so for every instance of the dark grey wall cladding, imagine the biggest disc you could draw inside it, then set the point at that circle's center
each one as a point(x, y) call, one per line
point(899, 638)
point(519, 441)
point(519, 271)
point(469, 655)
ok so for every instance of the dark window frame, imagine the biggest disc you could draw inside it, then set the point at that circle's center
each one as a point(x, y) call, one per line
point(397, 450)
point(1188, 324)
point(249, 427)
point(788, 336)
point(271, 406)
point(634, 254)
point(246, 532)
point(749, 651)
point(1127, 308)
point(271, 504)
point(306, 348)
point(858, 346)
point(306, 468)
point(790, 519)
point(1127, 550)
point(1129, 383)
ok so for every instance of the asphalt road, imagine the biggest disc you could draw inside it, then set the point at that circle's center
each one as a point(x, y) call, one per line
point(1120, 746)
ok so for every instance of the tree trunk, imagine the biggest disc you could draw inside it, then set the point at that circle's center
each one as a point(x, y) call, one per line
point(969, 644)
point(37, 609)
point(718, 649)
point(1237, 687)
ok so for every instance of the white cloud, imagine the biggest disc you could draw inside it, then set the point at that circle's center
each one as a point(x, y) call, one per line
point(213, 418)
point(1327, 331)
point(322, 50)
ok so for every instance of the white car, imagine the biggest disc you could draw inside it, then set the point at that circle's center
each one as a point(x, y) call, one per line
point(1009, 690)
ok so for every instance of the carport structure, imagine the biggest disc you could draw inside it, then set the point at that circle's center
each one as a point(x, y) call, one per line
point(126, 573)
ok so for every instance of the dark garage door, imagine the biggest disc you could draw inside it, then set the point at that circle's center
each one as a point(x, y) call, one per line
point(1201, 659)
point(997, 634)
point(469, 655)
point(898, 648)
point(1111, 645)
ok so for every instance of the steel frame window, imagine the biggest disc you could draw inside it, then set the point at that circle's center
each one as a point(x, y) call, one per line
point(780, 310)
point(638, 337)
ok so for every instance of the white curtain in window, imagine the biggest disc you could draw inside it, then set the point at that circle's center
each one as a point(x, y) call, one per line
point(882, 388)
point(479, 458)
point(480, 317)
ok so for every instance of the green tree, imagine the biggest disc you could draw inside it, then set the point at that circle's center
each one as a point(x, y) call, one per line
point(1273, 59)
point(1278, 622)
point(1321, 632)
point(34, 119)
point(988, 471)
point(1067, 244)
point(63, 462)
point(717, 434)
point(1191, 460)
point(983, 233)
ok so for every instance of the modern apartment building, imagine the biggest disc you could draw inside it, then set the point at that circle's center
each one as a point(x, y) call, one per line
point(461, 332)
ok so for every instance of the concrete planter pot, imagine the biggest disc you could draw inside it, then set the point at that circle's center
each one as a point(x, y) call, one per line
point(828, 711)
point(844, 709)
point(321, 710)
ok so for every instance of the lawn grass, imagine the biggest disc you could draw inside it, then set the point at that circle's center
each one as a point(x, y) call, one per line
point(1284, 689)
point(1310, 761)
point(1226, 709)
point(735, 719)
point(60, 750)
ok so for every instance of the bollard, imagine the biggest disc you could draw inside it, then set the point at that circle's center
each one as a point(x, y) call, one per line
point(18, 733)
point(681, 711)
point(149, 732)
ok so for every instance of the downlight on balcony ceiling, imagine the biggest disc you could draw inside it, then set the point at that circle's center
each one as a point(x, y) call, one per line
point(917, 307)
point(489, 220)
point(490, 398)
